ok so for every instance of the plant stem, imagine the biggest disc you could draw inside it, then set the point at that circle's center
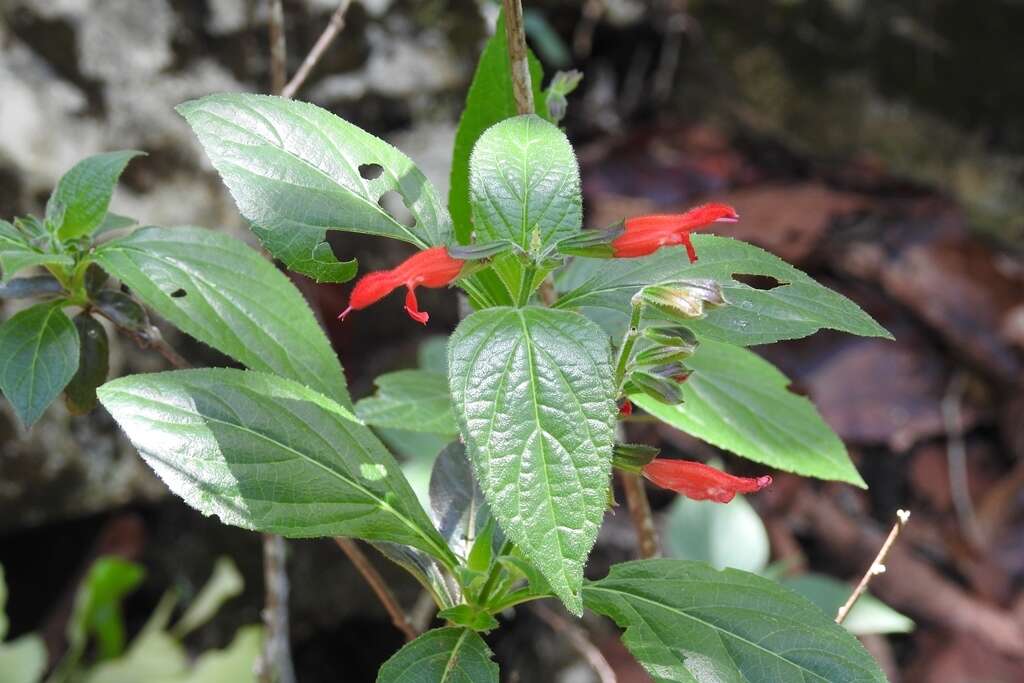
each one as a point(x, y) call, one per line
point(516, 34)
point(334, 26)
point(492, 577)
point(379, 586)
point(275, 664)
point(640, 514)
point(626, 347)
point(877, 566)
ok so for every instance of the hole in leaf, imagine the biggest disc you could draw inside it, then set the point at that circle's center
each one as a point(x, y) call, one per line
point(178, 293)
point(763, 282)
point(370, 171)
point(394, 204)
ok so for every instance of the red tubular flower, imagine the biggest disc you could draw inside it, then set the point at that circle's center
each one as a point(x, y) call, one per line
point(429, 268)
point(699, 481)
point(646, 234)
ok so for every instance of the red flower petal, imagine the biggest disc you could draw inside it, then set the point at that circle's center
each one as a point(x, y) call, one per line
point(413, 309)
point(646, 234)
point(699, 481)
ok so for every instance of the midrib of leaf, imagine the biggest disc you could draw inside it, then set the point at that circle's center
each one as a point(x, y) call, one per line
point(453, 658)
point(213, 292)
point(539, 433)
point(718, 630)
point(444, 554)
point(280, 147)
point(728, 413)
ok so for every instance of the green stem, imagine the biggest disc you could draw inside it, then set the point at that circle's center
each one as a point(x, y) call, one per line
point(626, 348)
point(526, 285)
point(492, 577)
point(517, 598)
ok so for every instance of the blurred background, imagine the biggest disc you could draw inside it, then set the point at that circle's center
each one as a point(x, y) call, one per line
point(877, 145)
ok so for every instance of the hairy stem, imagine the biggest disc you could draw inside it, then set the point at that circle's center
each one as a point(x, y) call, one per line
point(516, 34)
point(378, 585)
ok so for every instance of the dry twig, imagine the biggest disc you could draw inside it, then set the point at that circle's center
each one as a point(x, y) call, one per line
point(577, 637)
point(877, 566)
point(516, 34)
point(275, 663)
point(334, 26)
point(379, 586)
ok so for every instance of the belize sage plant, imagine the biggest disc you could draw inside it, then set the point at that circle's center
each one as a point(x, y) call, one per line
point(569, 329)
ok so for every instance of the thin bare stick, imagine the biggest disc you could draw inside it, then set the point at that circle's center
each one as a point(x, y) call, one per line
point(275, 663)
point(152, 339)
point(334, 26)
point(516, 34)
point(379, 586)
point(640, 513)
point(877, 566)
point(577, 637)
point(278, 49)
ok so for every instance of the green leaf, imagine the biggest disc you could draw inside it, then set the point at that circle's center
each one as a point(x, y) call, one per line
point(525, 185)
point(22, 660)
point(490, 100)
point(153, 656)
point(869, 615)
point(39, 357)
point(30, 287)
point(79, 203)
point(457, 504)
point(725, 536)
point(225, 583)
point(93, 365)
point(685, 621)
point(738, 401)
point(266, 453)
point(433, 354)
point(443, 655)
point(797, 308)
point(475, 618)
point(97, 610)
point(236, 663)
point(296, 171)
point(227, 295)
point(412, 400)
point(16, 254)
point(532, 389)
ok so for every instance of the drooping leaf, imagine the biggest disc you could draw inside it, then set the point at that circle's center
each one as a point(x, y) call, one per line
point(266, 453)
point(724, 536)
point(457, 504)
point(525, 185)
point(799, 306)
point(490, 99)
point(38, 357)
point(423, 568)
point(443, 655)
point(93, 365)
point(79, 203)
point(225, 294)
point(685, 621)
point(296, 171)
point(740, 402)
point(225, 583)
point(97, 610)
point(413, 400)
point(30, 287)
point(235, 663)
point(868, 615)
point(532, 389)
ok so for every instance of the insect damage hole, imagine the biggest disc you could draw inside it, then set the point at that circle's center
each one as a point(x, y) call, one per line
point(394, 204)
point(762, 282)
point(370, 171)
point(178, 293)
